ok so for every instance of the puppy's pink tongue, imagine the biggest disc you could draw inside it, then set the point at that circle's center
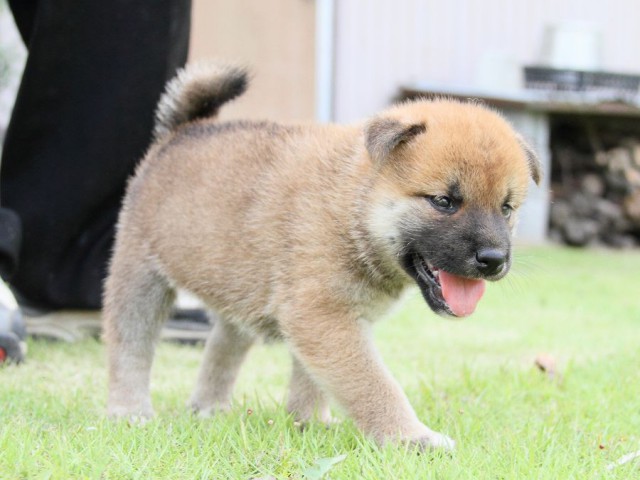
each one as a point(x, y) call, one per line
point(461, 294)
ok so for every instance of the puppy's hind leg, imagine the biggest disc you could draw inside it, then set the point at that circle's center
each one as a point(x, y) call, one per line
point(224, 352)
point(137, 302)
point(306, 400)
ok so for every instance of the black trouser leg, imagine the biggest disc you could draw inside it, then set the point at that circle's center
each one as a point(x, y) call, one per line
point(81, 122)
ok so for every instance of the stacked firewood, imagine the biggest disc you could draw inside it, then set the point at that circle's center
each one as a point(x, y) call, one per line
point(596, 199)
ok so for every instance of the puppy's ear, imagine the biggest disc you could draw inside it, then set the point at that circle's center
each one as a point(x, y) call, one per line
point(534, 163)
point(384, 135)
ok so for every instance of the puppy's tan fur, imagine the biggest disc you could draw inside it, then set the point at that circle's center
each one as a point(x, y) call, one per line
point(293, 232)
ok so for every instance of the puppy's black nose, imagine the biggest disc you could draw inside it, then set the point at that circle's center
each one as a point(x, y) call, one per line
point(490, 260)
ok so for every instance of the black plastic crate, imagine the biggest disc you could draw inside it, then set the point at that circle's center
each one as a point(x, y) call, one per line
point(544, 78)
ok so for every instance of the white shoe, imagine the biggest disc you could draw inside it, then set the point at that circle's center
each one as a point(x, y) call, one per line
point(13, 347)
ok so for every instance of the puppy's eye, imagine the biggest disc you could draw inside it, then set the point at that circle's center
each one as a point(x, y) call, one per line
point(442, 203)
point(507, 210)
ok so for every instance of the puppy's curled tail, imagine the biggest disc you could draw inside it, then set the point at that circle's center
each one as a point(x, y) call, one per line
point(197, 91)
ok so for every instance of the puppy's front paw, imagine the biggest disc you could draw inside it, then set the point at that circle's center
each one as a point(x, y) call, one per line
point(136, 415)
point(327, 420)
point(207, 410)
point(434, 441)
point(423, 438)
point(311, 414)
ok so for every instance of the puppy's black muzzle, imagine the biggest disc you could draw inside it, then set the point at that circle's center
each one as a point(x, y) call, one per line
point(490, 261)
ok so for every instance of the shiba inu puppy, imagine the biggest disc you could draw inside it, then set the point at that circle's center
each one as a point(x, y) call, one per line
point(307, 234)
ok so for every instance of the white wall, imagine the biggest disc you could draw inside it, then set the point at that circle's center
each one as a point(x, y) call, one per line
point(381, 44)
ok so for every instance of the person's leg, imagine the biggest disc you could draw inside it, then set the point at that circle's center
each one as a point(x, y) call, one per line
point(12, 330)
point(82, 120)
point(24, 15)
point(10, 240)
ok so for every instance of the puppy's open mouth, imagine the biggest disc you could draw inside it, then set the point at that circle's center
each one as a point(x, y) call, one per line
point(445, 292)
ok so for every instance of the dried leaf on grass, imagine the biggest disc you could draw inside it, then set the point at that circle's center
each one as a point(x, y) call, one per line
point(547, 363)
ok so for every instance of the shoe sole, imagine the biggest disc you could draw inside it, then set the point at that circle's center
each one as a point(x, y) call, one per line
point(72, 326)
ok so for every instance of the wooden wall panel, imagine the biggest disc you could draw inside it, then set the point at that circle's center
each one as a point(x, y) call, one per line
point(276, 38)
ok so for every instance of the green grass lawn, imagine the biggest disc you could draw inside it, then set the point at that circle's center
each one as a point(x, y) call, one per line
point(474, 380)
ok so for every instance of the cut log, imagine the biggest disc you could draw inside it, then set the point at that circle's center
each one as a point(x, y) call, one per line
point(593, 185)
point(560, 213)
point(580, 232)
point(582, 206)
point(596, 194)
point(632, 208)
